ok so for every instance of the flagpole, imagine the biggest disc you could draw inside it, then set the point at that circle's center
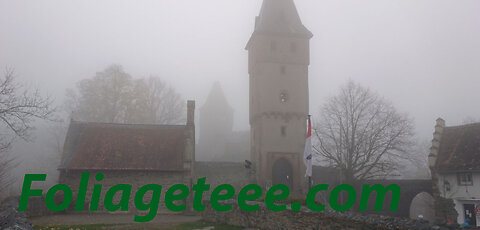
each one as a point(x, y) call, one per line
point(310, 177)
point(309, 183)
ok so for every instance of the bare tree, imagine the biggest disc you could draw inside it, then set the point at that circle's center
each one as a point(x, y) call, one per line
point(362, 135)
point(7, 163)
point(421, 151)
point(167, 103)
point(103, 98)
point(114, 96)
point(155, 102)
point(469, 120)
point(19, 107)
point(416, 167)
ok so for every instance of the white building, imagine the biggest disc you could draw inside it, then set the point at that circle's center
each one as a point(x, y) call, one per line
point(455, 161)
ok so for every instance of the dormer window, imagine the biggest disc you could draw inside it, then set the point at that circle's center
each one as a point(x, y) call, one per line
point(465, 179)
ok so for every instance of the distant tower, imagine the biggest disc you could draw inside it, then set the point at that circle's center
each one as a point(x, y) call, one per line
point(216, 124)
point(278, 66)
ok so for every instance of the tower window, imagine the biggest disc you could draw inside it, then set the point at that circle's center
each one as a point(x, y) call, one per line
point(283, 97)
point(273, 46)
point(282, 17)
point(284, 131)
point(283, 69)
point(293, 47)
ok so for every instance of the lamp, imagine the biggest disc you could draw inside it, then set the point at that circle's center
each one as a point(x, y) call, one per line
point(446, 184)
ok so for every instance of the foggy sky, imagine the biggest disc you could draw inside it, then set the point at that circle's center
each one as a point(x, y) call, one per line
point(423, 55)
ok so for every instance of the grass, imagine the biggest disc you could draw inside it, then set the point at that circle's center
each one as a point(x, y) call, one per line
point(76, 227)
point(202, 224)
point(185, 226)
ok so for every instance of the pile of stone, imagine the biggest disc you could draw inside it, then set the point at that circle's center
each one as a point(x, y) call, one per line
point(10, 218)
point(305, 219)
point(388, 222)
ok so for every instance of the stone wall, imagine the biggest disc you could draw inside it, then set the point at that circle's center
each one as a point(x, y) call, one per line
point(218, 173)
point(136, 178)
point(268, 220)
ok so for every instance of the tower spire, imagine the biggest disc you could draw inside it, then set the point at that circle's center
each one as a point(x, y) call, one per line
point(280, 17)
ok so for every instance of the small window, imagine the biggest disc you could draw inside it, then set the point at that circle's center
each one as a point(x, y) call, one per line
point(283, 97)
point(282, 17)
point(284, 131)
point(273, 46)
point(465, 179)
point(293, 47)
point(283, 69)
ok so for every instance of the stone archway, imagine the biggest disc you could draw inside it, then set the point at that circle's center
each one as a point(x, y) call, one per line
point(409, 190)
point(282, 173)
point(422, 204)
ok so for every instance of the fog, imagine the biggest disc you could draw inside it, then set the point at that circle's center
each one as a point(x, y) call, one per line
point(423, 56)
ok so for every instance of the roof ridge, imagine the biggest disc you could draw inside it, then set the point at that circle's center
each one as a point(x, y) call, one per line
point(126, 124)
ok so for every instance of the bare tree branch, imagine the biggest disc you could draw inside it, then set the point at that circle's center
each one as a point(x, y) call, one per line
point(19, 107)
point(362, 135)
point(113, 96)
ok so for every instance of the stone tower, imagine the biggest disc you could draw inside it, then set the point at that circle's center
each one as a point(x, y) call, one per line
point(279, 57)
point(216, 124)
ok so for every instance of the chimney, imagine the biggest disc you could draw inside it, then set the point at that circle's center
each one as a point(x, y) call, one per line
point(191, 113)
point(437, 137)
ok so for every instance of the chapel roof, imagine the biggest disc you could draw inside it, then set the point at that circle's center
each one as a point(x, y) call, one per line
point(104, 146)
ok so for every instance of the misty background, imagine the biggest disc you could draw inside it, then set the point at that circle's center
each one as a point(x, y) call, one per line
point(423, 56)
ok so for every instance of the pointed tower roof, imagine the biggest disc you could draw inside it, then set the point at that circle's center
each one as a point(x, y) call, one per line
point(280, 17)
point(216, 99)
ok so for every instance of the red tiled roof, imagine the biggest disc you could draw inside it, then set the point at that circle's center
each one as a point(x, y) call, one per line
point(97, 146)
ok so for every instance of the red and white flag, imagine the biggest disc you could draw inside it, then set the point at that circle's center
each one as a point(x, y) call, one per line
point(307, 153)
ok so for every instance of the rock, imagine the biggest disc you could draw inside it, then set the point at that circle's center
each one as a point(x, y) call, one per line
point(11, 219)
